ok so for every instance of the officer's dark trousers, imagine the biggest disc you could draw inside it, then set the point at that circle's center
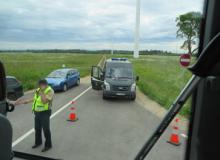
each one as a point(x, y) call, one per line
point(42, 121)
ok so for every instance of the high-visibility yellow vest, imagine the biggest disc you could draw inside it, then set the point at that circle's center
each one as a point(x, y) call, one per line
point(38, 105)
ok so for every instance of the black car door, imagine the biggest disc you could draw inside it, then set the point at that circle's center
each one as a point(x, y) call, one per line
point(97, 77)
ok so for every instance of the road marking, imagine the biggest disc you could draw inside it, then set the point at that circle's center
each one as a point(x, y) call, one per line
point(183, 135)
point(52, 116)
point(102, 59)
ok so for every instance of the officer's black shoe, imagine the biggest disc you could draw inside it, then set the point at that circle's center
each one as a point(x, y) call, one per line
point(46, 149)
point(36, 145)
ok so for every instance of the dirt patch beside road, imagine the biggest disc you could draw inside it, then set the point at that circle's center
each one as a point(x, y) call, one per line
point(157, 109)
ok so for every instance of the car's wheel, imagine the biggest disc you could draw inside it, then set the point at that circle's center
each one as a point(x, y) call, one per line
point(133, 97)
point(104, 96)
point(78, 82)
point(64, 87)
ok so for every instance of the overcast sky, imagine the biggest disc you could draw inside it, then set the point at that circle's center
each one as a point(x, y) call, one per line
point(90, 24)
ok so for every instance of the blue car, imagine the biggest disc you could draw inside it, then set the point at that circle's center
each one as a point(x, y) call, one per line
point(62, 79)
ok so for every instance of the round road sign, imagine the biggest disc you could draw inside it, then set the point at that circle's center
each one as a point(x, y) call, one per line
point(185, 60)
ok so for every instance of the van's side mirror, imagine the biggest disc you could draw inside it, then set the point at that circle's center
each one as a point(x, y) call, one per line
point(102, 76)
point(137, 78)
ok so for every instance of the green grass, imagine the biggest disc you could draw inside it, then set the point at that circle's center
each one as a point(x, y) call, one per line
point(161, 78)
point(30, 67)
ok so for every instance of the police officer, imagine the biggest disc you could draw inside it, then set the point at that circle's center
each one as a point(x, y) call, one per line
point(42, 103)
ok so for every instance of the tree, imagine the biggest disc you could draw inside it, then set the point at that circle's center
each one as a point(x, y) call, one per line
point(188, 28)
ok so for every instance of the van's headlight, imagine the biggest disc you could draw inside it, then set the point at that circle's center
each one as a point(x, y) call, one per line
point(107, 86)
point(133, 87)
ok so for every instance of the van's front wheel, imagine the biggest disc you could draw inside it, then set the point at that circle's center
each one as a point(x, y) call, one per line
point(104, 96)
point(133, 97)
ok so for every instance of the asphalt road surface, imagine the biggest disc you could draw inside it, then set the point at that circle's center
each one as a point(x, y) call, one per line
point(106, 130)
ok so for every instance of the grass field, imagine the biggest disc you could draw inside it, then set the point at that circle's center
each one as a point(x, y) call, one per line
point(28, 68)
point(161, 78)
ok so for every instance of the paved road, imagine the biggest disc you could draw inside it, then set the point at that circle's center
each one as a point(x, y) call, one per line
point(106, 129)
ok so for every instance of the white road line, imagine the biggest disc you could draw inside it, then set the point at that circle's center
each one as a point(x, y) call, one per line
point(52, 116)
point(183, 135)
point(22, 137)
point(103, 57)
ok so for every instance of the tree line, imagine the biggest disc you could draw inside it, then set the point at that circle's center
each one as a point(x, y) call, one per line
point(79, 51)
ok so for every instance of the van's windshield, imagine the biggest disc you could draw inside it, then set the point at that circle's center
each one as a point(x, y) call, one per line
point(119, 71)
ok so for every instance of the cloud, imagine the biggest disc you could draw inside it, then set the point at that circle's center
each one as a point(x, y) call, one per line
point(89, 23)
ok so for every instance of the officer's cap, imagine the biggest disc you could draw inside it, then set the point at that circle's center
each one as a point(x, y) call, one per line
point(42, 82)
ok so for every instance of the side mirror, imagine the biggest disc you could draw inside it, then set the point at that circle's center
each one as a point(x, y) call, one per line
point(102, 76)
point(137, 78)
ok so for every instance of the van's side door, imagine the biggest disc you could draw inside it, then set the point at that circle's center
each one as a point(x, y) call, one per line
point(97, 77)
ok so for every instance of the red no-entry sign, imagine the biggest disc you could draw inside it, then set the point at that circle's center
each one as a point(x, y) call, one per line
point(185, 60)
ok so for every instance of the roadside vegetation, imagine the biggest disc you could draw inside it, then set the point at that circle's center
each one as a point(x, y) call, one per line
point(29, 67)
point(161, 76)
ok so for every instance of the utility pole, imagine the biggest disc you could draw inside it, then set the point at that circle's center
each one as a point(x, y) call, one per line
point(112, 48)
point(137, 30)
point(112, 52)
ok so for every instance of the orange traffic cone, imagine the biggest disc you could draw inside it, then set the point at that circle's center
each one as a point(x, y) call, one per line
point(72, 115)
point(174, 138)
